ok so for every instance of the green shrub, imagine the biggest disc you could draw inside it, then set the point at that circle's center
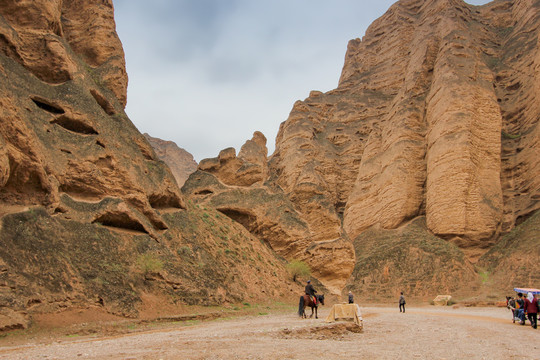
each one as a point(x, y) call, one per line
point(149, 264)
point(297, 268)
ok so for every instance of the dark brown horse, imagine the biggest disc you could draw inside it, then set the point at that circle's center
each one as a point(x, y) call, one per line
point(306, 301)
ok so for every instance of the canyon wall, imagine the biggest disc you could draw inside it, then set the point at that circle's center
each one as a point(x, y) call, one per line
point(90, 217)
point(435, 117)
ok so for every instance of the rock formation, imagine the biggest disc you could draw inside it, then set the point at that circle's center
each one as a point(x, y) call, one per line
point(421, 162)
point(90, 217)
point(435, 117)
point(179, 160)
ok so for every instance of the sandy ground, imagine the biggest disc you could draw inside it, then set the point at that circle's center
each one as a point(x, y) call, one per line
point(421, 333)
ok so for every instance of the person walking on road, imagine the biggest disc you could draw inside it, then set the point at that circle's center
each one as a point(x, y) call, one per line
point(402, 302)
point(531, 308)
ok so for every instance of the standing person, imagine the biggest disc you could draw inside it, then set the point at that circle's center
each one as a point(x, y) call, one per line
point(531, 307)
point(402, 302)
point(512, 306)
point(310, 290)
point(520, 312)
point(351, 298)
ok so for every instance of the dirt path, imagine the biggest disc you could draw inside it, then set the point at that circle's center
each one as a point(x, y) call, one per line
point(421, 333)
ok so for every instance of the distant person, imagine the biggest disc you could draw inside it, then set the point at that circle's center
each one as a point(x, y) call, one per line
point(511, 305)
point(351, 298)
point(519, 308)
point(310, 290)
point(402, 302)
point(531, 308)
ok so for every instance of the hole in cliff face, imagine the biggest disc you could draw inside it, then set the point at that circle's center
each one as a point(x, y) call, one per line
point(47, 105)
point(244, 218)
point(514, 87)
point(103, 102)
point(266, 231)
point(74, 125)
point(165, 201)
point(120, 221)
point(203, 192)
point(340, 207)
point(99, 143)
point(522, 218)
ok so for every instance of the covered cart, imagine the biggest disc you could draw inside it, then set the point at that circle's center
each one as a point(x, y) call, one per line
point(527, 290)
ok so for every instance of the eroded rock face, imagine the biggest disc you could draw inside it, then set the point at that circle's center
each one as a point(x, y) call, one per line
point(435, 116)
point(421, 113)
point(62, 92)
point(249, 168)
point(179, 160)
point(89, 215)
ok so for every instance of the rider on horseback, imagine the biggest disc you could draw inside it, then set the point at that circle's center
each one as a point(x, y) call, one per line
point(311, 292)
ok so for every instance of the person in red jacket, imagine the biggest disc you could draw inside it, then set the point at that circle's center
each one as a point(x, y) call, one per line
point(531, 308)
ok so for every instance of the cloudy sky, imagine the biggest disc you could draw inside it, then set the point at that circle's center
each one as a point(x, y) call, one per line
point(206, 74)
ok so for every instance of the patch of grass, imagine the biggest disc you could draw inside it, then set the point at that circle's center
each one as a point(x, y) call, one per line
point(149, 264)
point(484, 275)
point(297, 268)
point(506, 135)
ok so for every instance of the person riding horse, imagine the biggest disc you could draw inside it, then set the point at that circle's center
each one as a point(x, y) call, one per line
point(310, 290)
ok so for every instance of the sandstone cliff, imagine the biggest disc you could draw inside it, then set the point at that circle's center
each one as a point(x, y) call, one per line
point(435, 117)
point(179, 160)
point(89, 215)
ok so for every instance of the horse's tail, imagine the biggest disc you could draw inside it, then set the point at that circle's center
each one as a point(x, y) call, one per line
point(301, 306)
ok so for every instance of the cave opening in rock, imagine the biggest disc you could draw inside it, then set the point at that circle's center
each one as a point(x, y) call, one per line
point(47, 106)
point(120, 221)
point(165, 201)
point(244, 218)
point(74, 125)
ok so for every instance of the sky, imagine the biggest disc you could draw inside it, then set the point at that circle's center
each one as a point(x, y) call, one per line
point(206, 74)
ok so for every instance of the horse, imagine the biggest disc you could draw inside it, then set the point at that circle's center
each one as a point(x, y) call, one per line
point(306, 301)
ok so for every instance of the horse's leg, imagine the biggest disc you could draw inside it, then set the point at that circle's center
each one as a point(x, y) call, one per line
point(316, 317)
point(311, 312)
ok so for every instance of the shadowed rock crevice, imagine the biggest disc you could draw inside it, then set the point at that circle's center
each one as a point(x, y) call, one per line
point(103, 102)
point(243, 217)
point(164, 201)
point(121, 221)
point(74, 125)
point(47, 105)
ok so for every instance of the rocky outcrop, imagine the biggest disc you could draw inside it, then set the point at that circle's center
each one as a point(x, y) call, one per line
point(435, 118)
point(250, 167)
point(267, 212)
point(421, 117)
point(179, 160)
point(90, 216)
point(62, 92)
point(46, 36)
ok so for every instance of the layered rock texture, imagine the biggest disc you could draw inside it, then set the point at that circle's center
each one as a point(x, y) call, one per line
point(417, 173)
point(435, 118)
point(179, 160)
point(89, 215)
